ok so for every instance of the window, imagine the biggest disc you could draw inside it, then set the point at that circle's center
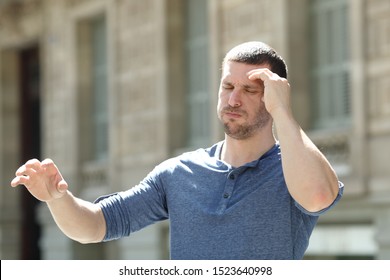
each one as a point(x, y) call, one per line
point(92, 66)
point(330, 75)
point(197, 70)
point(99, 111)
point(92, 89)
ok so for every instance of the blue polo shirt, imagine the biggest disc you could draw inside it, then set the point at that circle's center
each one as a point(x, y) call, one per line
point(216, 211)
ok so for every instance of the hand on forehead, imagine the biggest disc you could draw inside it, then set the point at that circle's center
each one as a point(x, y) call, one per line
point(262, 74)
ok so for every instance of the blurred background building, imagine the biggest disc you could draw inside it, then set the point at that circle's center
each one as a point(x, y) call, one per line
point(110, 88)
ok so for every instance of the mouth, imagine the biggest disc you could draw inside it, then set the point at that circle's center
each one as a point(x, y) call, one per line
point(233, 115)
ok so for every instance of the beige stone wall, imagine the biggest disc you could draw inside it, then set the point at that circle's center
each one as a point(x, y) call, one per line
point(146, 103)
point(377, 70)
point(378, 82)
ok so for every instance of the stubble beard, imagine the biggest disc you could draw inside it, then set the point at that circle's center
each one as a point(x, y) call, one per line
point(245, 130)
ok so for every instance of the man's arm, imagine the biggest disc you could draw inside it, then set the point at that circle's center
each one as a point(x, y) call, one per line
point(310, 179)
point(80, 220)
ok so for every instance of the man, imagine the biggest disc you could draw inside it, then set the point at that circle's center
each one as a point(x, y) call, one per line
point(247, 197)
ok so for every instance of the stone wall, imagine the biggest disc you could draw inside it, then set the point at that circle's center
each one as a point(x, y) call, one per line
point(146, 104)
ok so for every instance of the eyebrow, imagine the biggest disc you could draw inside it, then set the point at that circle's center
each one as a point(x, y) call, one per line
point(245, 86)
point(256, 87)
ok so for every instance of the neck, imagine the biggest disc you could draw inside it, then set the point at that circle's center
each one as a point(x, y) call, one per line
point(239, 152)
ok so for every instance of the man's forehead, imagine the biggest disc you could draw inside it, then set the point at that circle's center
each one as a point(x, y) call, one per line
point(237, 73)
point(238, 68)
point(239, 83)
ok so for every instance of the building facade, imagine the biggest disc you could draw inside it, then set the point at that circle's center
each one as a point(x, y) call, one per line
point(108, 89)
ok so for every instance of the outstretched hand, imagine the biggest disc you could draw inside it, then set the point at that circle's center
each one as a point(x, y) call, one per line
point(42, 179)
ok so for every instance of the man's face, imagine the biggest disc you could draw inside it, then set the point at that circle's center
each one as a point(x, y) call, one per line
point(240, 105)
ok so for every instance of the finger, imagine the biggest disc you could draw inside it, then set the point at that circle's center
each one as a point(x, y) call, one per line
point(21, 170)
point(15, 182)
point(30, 166)
point(262, 74)
point(19, 180)
point(24, 170)
point(62, 186)
point(49, 166)
point(33, 163)
point(258, 70)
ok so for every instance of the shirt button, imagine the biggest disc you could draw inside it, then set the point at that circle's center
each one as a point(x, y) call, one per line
point(225, 195)
point(231, 177)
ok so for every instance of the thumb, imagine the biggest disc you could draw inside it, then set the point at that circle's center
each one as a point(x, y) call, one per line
point(62, 186)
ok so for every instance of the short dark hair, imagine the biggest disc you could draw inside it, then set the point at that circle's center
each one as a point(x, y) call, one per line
point(256, 53)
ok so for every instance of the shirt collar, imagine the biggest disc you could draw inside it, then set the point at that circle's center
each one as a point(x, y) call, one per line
point(271, 151)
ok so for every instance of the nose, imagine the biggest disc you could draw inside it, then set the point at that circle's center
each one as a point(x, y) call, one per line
point(235, 99)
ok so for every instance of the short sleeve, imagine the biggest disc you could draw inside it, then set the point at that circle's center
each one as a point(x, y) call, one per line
point(129, 211)
point(318, 213)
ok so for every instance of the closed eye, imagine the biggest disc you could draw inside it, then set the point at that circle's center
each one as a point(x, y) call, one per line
point(252, 90)
point(248, 90)
point(227, 86)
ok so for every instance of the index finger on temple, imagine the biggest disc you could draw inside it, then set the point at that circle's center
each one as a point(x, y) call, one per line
point(261, 74)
